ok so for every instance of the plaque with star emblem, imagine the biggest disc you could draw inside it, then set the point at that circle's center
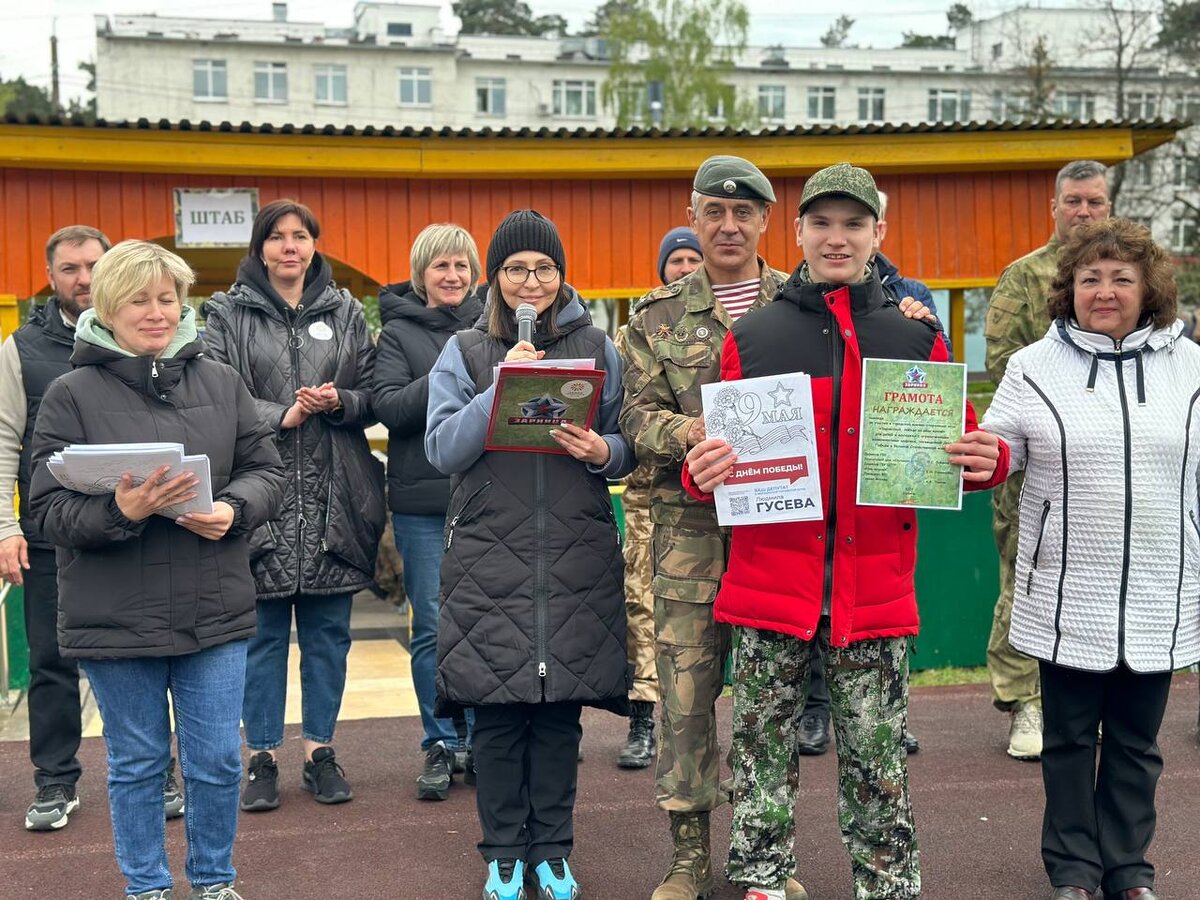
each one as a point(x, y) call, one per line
point(910, 412)
point(533, 399)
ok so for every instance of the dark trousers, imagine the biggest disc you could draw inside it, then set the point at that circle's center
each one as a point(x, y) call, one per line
point(817, 701)
point(53, 698)
point(526, 757)
point(1100, 819)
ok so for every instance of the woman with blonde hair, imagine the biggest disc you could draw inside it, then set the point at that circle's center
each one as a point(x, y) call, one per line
point(151, 604)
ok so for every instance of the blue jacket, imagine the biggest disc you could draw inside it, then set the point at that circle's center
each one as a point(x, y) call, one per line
point(899, 287)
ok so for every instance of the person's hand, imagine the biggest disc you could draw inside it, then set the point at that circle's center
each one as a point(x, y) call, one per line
point(321, 399)
point(523, 351)
point(155, 493)
point(915, 309)
point(14, 556)
point(696, 432)
point(583, 445)
point(295, 416)
point(211, 525)
point(710, 463)
point(976, 452)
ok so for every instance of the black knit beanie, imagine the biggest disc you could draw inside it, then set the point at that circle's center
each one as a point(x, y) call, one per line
point(525, 229)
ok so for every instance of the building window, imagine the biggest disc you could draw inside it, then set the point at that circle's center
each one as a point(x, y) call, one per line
point(949, 105)
point(1183, 234)
point(575, 99)
point(270, 82)
point(1143, 172)
point(1187, 106)
point(416, 86)
point(1079, 106)
point(633, 103)
point(209, 80)
point(772, 101)
point(330, 84)
point(489, 96)
point(822, 102)
point(399, 29)
point(1186, 173)
point(997, 50)
point(722, 103)
point(870, 105)
point(1141, 105)
point(1008, 106)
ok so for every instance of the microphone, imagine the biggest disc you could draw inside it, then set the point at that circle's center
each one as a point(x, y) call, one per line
point(526, 315)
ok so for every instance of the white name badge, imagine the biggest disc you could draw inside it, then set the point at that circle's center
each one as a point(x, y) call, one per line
point(320, 331)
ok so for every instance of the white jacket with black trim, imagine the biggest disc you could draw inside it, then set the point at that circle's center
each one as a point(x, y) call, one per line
point(1108, 566)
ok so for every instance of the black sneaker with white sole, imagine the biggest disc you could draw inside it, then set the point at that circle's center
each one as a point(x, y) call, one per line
point(262, 784)
point(172, 795)
point(325, 779)
point(434, 781)
point(52, 807)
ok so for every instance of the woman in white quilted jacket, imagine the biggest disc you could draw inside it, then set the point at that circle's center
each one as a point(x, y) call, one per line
point(1102, 413)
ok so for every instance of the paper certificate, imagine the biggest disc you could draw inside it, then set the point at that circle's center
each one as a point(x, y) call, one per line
point(532, 400)
point(910, 412)
point(769, 422)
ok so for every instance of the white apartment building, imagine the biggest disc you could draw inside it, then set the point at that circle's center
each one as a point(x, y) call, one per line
point(407, 65)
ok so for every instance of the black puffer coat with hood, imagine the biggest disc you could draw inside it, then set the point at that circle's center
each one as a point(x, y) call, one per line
point(325, 538)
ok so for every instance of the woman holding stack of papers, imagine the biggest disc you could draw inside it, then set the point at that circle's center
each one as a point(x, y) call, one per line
point(152, 604)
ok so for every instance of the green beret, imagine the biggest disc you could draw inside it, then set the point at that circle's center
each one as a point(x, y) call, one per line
point(734, 178)
point(842, 180)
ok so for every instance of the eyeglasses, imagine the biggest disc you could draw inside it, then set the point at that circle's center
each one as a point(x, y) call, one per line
point(520, 274)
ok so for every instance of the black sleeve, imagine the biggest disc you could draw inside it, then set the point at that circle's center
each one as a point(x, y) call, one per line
point(400, 398)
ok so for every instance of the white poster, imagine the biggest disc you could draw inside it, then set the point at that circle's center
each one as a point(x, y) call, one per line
point(769, 423)
point(214, 217)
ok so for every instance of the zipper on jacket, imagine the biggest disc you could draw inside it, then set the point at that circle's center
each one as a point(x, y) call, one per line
point(1128, 507)
point(539, 565)
point(1037, 550)
point(836, 355)
point(324, 546)
point(461, 516)
point(301, 522)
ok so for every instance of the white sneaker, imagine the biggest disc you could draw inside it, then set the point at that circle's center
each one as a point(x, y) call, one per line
point(1025, 733)
point(764, 894)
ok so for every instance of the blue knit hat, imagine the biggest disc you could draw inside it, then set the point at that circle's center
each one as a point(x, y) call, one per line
point(673, 240)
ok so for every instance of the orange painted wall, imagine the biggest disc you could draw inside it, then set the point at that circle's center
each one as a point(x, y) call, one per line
point(942, 227)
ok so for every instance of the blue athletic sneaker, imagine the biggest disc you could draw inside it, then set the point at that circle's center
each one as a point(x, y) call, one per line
point(506, 880)
point(555, 881)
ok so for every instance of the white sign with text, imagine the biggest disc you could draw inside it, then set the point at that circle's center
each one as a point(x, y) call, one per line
point(214, 217)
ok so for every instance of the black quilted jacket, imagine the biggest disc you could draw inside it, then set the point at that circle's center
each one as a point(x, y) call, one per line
point(326, 535)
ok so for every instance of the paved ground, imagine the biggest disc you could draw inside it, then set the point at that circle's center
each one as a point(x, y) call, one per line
point(978, 816)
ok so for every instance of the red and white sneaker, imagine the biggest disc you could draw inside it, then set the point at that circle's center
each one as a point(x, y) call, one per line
point(764, 894)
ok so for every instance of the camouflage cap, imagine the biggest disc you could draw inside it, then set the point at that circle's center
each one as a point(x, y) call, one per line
point(732, 177)
point(842, 180)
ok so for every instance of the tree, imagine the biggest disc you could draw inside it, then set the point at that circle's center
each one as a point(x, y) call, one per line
point(681, 52)
point(505, 17)
point(1038, 94)
point(594, 27)
point(959, 17)
point(19, 98)
point(1179, 31)
point(927, 41)
point(838, 33)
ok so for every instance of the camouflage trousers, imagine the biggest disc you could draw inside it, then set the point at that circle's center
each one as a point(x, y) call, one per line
point(691, 653)
point(639, 603)
point(868, 687)
point(1014, 676)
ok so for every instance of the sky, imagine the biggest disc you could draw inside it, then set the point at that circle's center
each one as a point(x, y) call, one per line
point(25, 37)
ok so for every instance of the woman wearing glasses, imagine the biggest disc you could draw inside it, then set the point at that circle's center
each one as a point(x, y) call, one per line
point(532, 622)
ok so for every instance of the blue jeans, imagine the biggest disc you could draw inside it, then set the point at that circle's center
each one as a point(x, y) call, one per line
point(323, 632)
point(206, 689)
point(419, 541)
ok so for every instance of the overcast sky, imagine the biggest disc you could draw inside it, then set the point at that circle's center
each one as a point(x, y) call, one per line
point(25, 34)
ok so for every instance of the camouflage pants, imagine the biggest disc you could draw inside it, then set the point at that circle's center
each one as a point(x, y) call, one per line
point(868, 687)
point(688, 565)
point(1014, 675)
point(639, 603)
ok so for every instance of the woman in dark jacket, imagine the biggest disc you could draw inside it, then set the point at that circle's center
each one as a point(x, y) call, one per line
point(303, 348)
point(152, 604)
point(533, 611)
point(419, 317)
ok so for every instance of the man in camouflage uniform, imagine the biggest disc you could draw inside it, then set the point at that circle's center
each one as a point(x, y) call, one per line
point(1016, 318)
point(674, 343)
point(679, 255)
point(832, 313)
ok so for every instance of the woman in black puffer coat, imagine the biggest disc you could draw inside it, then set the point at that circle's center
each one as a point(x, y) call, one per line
point(303, 348)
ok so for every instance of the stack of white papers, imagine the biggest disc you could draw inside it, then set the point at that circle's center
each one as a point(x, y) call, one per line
point(97, 469)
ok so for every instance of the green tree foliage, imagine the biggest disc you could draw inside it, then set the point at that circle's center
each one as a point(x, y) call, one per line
point(958, 17)
point(1179, 30)
point(594, 27)
point(19, 98)
point(505, 17)
point(838, 33)
point(686, 49)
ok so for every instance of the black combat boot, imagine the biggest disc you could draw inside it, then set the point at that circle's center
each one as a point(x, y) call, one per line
point(638, 751)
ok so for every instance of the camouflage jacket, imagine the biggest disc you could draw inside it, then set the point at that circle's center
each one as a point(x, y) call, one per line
point(1017, 316)
point(673, 347)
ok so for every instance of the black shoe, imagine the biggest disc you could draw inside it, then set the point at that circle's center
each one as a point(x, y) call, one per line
point(434, 781)
point(324, 778)
point(911, 744)
point(172, 795)
point(813, 739)
point(640, 746)
point(51, 808)
point(469, 768)
point(262, 784)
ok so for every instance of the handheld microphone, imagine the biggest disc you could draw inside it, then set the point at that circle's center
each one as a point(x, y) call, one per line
point(526, 316)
